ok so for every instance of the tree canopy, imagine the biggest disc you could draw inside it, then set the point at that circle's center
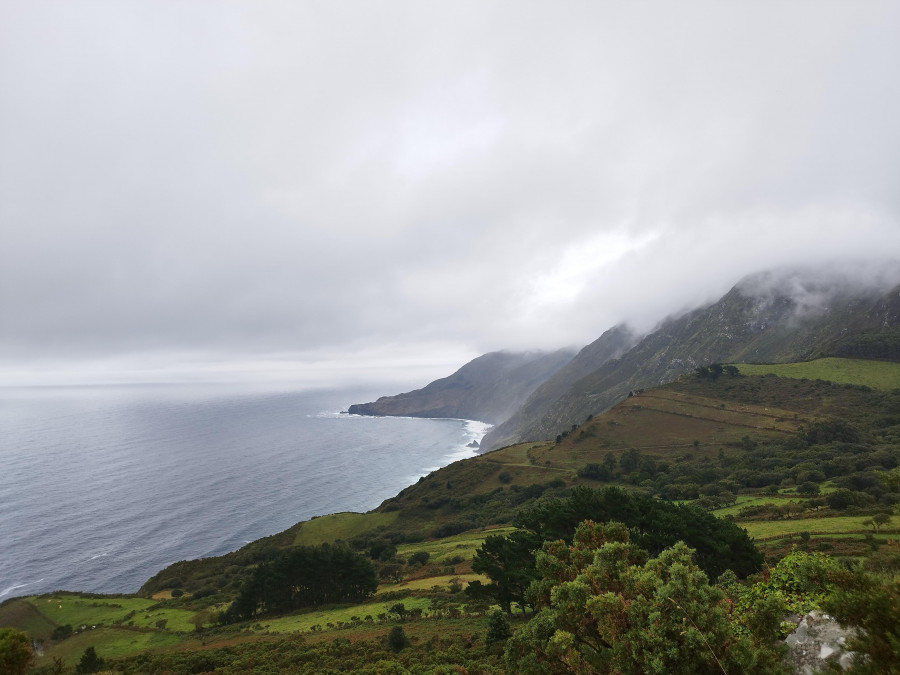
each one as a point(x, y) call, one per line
point(304, 576)
point(16, 653)
point(605, 607)
point(653, 525)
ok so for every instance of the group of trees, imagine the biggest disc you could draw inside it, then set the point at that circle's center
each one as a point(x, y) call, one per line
point(304, 576)
point(654, 525)
point(510, 563)
point(716, 370)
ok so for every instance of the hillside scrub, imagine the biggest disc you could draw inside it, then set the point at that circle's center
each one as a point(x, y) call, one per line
point(871, 603)
point(605, 607)
point(749, 437)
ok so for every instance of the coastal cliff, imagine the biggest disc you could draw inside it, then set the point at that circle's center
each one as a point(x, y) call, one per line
point(489, 388)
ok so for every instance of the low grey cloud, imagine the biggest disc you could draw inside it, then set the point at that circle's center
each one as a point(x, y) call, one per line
point(410, 183)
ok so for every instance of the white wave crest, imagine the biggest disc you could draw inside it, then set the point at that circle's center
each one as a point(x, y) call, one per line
point(7, 591)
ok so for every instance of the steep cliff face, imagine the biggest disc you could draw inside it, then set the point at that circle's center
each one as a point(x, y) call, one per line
point(764, 319)
point(612, 344)
point(489, 388)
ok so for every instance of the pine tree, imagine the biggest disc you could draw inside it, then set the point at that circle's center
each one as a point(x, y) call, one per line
point(397, 639)
point(498, 629)
point(90, 662)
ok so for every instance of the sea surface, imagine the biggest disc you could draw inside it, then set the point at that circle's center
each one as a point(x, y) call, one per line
point(101, 487)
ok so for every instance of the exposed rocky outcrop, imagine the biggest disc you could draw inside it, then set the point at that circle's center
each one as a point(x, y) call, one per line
point(817, 643)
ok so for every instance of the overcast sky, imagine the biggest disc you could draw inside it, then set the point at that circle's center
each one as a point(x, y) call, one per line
point(343, 187)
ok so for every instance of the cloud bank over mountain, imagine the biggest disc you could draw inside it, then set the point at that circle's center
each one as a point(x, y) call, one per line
point(408, 183)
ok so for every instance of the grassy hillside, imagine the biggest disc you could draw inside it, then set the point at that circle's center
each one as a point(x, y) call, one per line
point(339, 526)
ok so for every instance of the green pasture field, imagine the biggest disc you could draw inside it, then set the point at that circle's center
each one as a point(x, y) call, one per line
point(463, 545)
point(109, 642)
point(427, 583)
point(875, 374)
point(323, 616)
point(784, 496)
point(882, 536)
point(836, 525)
point(744, 501)
point(78, 610)
point(326, 529)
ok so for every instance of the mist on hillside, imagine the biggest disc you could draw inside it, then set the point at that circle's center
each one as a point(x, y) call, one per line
point(254, 189)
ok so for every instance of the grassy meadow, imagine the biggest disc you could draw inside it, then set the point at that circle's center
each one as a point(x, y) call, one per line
point(339, 526)
point(875, 374)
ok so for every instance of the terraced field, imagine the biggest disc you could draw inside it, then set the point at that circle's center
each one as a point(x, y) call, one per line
point(667, 424)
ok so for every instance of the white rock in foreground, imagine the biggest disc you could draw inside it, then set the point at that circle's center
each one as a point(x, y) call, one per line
point(818, 641)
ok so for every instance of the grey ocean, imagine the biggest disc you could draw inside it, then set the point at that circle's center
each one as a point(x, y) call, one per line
point(101, 487)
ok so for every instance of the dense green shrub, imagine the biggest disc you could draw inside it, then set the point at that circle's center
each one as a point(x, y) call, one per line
point(419, 558)
point(498, 629)
point(595, 472)
point(90, 662)
point(397, 639)
point(871, 603)
point(604, 607)
point(16, 653)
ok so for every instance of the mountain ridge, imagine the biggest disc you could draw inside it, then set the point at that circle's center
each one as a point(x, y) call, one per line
point(773, 316)
point(767, 325)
